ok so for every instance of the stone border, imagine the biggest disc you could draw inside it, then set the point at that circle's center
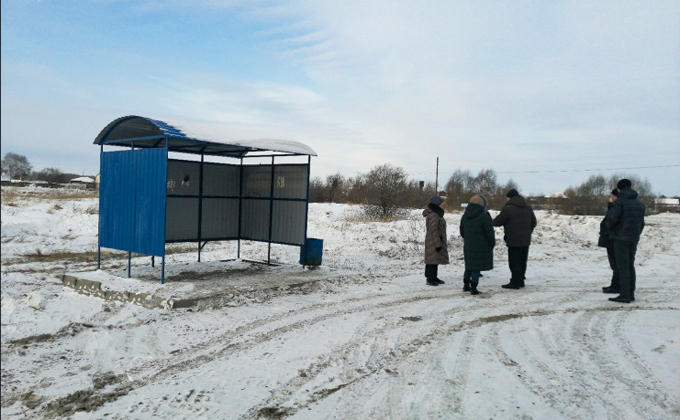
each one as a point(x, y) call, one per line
point(229, 298)
point(147, 300)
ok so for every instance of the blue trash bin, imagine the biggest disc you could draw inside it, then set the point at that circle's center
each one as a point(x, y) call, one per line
point(311, 252)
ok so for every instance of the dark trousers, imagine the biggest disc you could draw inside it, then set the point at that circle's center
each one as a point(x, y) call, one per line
point(431, 271)
point(473, 276)
point(517, 260)
point(625, 262)
point(616, 282)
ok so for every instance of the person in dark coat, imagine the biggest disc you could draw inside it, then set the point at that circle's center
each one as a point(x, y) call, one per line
point(436, 250)
point(477, 231)
point(518, 221)
point(626, 222)
point(606, 242)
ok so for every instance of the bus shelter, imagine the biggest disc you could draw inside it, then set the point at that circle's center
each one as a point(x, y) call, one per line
point(151, 194)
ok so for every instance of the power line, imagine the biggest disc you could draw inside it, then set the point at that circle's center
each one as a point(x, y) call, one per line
point(571, 170)
point(589, 170)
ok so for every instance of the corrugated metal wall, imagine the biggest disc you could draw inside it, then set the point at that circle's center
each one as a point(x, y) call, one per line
point(117, 200)
point(132, 201)
point(147, 200)
point(151, 170)
point(289, 220)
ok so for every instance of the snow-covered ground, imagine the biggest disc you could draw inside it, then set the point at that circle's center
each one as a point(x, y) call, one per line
point(371, 341)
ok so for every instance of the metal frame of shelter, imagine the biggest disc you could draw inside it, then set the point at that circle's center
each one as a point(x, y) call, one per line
point(147, 199)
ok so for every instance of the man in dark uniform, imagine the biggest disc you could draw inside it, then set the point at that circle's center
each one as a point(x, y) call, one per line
point(518, 221)
point(626, 221)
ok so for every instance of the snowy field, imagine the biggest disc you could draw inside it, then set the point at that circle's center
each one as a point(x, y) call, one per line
point(370, 341)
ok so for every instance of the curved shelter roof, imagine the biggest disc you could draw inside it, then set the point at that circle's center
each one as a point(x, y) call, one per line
point(142, 132)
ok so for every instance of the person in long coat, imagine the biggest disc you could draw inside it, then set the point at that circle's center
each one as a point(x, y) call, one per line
point(436, 250)
point(479, 239)
point(605, 241)
point(518, 221)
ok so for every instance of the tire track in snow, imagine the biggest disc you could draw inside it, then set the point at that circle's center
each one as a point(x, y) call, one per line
point(588, 373)
point(461, 370)
point(589, 332)
point(163, 370)
point(661, 393)
point(653, 402)
point(244, 338)
point(575, 384)
point(436, 335)
point(550, 394)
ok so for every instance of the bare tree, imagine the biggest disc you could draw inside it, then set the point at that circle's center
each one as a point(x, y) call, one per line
point(357, 189)
point(317, 190)
point(16, 166)
point(52, 175)
point(591, 196)
point(486, 182)
point(334, 185)
point(458, 186)
point(386, 185)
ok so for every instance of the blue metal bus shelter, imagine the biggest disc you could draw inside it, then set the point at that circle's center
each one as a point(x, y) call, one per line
point(148, 199)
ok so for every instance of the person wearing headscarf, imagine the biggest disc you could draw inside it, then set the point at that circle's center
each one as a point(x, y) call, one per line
point(518, 221)
point(479, 239)
point(436, 250)
point(605, 241)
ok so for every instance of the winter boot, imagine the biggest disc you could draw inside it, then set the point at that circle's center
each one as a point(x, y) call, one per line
point(466, 285)
point(432, 282)
point(440, 281)
point(473, 289)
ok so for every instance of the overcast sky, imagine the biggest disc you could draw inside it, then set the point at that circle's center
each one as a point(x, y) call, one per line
point(545, 93)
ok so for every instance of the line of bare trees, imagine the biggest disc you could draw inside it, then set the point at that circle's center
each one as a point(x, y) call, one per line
point(385, 191)
point(17, 167)
point(587, 198)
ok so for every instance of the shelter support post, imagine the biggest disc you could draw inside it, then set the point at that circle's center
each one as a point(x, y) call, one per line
point(163, 270)
point(129, 264)
point(200, 205)
point(99, 215)
point(271, 213)
point(240, 208)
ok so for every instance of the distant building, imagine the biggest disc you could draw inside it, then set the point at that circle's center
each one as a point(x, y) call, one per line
point(82, 182)
point(667, 204)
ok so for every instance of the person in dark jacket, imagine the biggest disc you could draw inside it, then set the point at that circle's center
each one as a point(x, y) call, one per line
point(518, 221)
point(436, 250)
point(625, 223)
point(605, 242)
point(477, 231)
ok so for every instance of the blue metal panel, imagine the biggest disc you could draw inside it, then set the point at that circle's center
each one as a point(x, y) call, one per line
point(151, 172)
point(117, 200)
point(132, 201)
